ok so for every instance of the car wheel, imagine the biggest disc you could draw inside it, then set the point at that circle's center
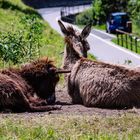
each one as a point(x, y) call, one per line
point(109, 31)
point(106, 30)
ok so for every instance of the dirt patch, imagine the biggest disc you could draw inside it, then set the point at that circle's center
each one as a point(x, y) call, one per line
point(69, 109)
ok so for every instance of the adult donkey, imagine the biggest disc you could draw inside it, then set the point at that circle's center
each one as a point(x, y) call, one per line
point(97, 84)
point(30, 88)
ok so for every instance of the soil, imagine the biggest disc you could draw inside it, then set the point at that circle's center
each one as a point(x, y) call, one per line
point(68, 108)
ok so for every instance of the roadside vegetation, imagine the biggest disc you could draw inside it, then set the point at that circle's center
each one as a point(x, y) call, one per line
point(100, 9)
point(25, 36)
point(129, 44)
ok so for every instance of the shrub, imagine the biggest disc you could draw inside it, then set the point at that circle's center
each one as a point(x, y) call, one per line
point(85, 17)
point(95, 14)
point(33, 35)
point(11, 47)
point(100, 10)
point(134, 9)
point(24, 44)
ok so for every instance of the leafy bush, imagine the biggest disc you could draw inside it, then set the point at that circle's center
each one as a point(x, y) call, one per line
point(100, 10)
point(103, 8)
point(24, 44)
point(85, 17)
point(99, 14)
point(95, 14)
point(11, 47)
point(134, 9)
point(21, 19)
point(33, 35)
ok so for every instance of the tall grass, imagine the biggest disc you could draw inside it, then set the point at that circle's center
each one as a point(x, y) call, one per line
point(41, 126)
point(25, 36)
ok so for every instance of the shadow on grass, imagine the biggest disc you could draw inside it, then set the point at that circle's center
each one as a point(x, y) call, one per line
point(9, 5)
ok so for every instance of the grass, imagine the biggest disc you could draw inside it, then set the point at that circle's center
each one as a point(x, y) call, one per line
point(52, 43)
point(100, 27)
point(136, 32)
point(69, 127)
point(42, 126)
point(136, 28)
point(92, 57)
point(128, 45)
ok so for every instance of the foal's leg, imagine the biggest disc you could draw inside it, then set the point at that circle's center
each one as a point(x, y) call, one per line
point(37, 101)
point(43, 108)
point(22, 104)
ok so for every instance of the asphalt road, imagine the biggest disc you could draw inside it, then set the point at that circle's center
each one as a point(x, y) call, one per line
point(101, 46)
point(103, 34)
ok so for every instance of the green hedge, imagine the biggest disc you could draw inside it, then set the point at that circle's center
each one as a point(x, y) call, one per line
point(85, 17)
point(24, 35)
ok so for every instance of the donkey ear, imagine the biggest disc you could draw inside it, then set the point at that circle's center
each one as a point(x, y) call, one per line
point(86, 31)
point(62, 27)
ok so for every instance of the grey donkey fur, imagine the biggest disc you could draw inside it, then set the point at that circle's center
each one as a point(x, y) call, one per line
point(97, 84)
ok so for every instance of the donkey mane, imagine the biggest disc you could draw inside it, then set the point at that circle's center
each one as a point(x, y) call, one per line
point(71, 30)
point(37, 66)
point(42, 61)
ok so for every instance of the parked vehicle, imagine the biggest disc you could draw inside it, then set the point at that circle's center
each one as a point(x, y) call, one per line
point(118, 20)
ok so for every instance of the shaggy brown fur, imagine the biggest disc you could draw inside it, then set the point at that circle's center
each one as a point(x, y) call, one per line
point(30, 88)
point(76, 45)
point(104, 85)
point(98, 84)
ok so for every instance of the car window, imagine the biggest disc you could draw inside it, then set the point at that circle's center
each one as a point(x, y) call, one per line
point(120, 18)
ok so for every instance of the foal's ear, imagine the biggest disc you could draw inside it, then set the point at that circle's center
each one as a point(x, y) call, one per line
point(62, 27)
point(86, 31)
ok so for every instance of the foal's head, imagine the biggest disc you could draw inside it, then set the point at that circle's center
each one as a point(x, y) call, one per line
point(42, 76)
point(77, 44)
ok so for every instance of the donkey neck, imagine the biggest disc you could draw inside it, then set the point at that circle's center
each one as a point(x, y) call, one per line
point(70, 58)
